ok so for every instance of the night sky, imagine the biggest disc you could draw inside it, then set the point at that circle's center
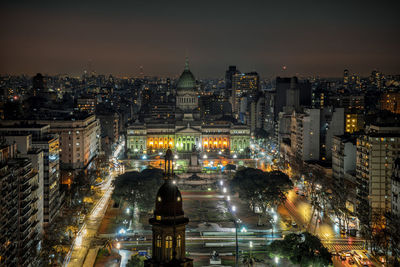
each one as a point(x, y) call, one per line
point(117, 37)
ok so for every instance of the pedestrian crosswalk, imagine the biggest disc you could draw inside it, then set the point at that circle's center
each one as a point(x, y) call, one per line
point(343, 246)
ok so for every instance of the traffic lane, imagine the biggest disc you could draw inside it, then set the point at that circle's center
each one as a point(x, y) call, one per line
point(338, 262)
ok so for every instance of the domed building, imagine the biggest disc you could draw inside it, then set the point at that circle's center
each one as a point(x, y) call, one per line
point(187, 133)
point(186, 95)
point(168, 224)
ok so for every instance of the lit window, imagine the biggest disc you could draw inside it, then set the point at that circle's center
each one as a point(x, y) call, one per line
point(159, 199)
point(158, 243)
point(179, 241)
point(179, 198)
point(168, 242)
point(77, 144)
point(158, 218)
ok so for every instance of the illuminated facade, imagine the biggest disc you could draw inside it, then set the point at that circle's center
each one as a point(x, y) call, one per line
point(216, 138)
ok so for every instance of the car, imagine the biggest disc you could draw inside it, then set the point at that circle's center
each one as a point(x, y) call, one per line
point(343, 257)
point(141, 238)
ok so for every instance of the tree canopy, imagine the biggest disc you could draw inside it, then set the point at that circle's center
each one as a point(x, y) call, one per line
point(260, 188)
point(304, 249)
point(138, 188)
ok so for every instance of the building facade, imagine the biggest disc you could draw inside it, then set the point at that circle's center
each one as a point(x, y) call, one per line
point(377, 151)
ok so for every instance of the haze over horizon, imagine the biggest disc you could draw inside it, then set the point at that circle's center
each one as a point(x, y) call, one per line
point(118, 37)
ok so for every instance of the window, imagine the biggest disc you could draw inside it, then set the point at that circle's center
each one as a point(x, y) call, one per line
point(158, 242)
point(77, 144)
point(179, 241)
point(168, 242)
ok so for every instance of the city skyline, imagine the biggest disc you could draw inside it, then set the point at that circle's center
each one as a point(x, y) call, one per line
point(118, 39)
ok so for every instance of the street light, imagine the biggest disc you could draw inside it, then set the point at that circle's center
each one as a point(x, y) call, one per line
point(224, 190)
point(251, 248)
point(221, 183)
point(237, 243)
point(233, 208)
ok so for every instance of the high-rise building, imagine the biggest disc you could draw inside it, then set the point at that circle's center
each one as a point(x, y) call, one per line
point(243, 84)
point(344, 167)
point(299, 94)
point(38, 84)
point(39, 140)
point(36, 156)
point(305, 134)
point(332, 123)
point(282, 86)
point(18, 217)
point(232, 70)
point(377, 151)
point(79, 140)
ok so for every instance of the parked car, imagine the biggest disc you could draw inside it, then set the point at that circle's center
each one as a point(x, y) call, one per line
point(141, 238)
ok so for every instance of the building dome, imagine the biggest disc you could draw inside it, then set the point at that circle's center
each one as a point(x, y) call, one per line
point(187, 80)
point(168, 201)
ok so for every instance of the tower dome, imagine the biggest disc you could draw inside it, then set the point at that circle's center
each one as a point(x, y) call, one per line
point(168, 201)
point(186, 80)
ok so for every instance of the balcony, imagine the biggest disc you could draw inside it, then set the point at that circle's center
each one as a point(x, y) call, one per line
point(34, 188)
point(25, 188)
point(26, 211)
point(24, 203)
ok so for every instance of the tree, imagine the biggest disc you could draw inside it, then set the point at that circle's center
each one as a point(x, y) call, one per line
point(136, 261)
point(304, 249)
point(138, 189)
point(261, 189)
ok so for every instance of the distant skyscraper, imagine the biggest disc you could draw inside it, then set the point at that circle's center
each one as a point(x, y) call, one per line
point(282, 86)
point(38, 84)
point(243, 84)
point(228, 76)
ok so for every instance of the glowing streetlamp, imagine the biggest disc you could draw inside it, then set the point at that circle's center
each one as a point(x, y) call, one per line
point(224, 190)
